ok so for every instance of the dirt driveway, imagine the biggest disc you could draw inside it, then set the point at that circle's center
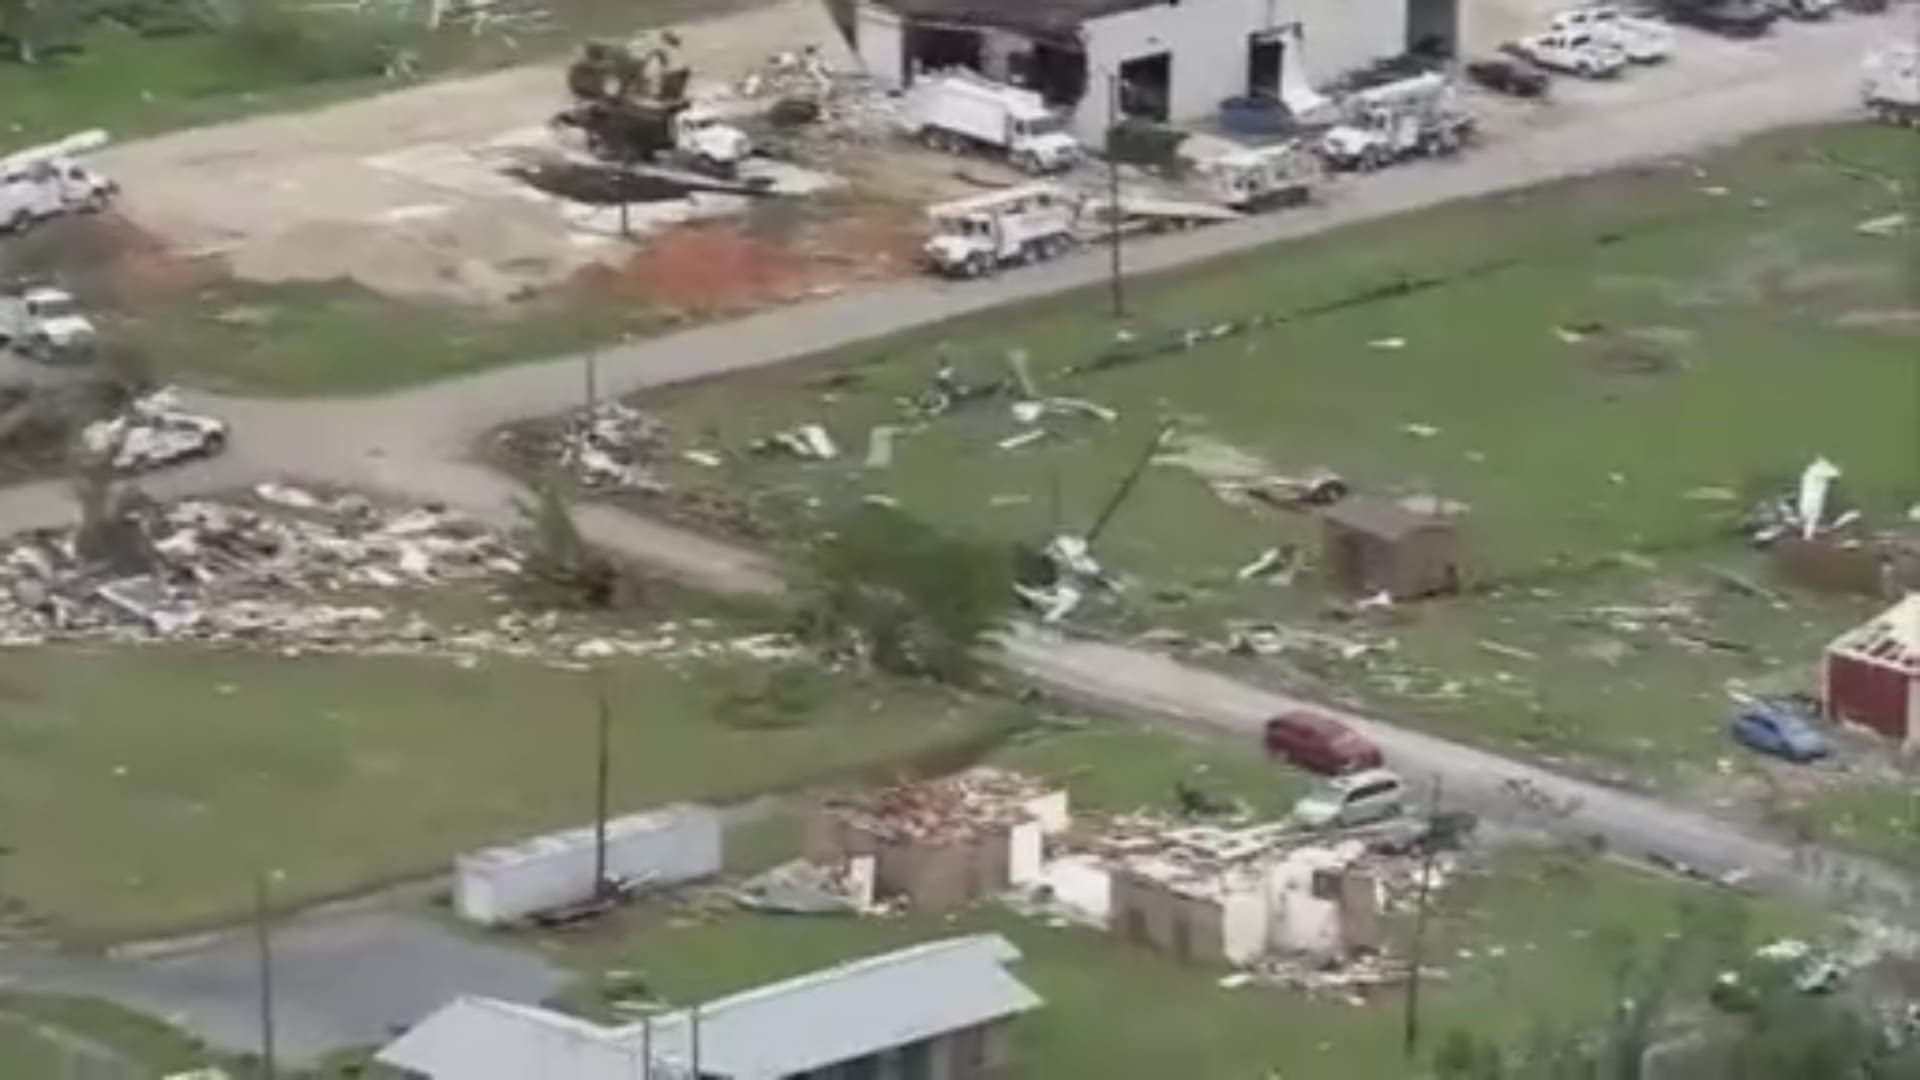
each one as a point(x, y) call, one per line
point(404, 192)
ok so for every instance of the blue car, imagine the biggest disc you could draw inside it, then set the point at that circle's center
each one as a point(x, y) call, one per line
point(1771, 727)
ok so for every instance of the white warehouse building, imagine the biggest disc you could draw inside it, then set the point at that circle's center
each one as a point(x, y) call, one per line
point(1167, 60)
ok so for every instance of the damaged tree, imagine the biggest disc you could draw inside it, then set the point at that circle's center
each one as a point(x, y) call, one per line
point(559, 564)
point(902, 596)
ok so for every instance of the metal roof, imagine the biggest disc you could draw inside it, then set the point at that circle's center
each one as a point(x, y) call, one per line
point(1048, 18)
point(1378, 517)
point(1891, 638)
point(847, 1012)
point(822, 1018)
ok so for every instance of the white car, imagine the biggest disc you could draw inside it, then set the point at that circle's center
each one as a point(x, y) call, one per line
point(154, 431)
point(1579, 52)
point(1354, 799)
point(1643, 40)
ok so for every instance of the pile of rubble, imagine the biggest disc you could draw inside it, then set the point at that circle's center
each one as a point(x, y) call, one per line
point(979, 800)
point(232, 570)
point(299, 571)
point(610, 445)
point(808, 102)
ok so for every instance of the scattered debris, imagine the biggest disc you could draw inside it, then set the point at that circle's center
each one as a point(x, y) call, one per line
point(1889, 225)
point(880, 446)
point(1276, 564)
point(1388, 343)
point(1420, 431)
point(800, 887)
point(1511, 651)
point(809, 442)
point(609, 445)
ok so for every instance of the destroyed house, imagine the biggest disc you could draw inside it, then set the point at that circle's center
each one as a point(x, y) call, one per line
point(945, 842)
point(1873, 674)
point(1171, 61)
point(942, 1010)
point(1377, 546)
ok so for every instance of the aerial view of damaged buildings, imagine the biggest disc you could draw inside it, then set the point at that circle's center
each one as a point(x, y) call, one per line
point(1310, 524)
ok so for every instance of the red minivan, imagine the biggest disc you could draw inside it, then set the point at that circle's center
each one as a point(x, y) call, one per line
point(1318, 742)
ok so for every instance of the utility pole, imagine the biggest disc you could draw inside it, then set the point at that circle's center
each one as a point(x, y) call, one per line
point(264, 945)
point(1411, 1035)
point(601, 796)
point(1113, 193)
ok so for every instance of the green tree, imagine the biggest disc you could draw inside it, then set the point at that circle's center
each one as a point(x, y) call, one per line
point(908, 599)
point(558, 563)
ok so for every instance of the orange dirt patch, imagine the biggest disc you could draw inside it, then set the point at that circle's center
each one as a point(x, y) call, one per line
point(735, 267)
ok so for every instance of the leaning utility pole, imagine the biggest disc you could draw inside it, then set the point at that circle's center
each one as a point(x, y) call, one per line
point(1113, 192)
point(1411, 1035)
point(264, 945)
point(601, 795)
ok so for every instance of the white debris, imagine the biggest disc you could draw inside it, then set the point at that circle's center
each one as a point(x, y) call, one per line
point(1889, 225)
point(1815, 482)
point(1420, 431)
point(1389, 343)
point(880, 446)
point(285, 495)
point(609, 446)
point(704, 458)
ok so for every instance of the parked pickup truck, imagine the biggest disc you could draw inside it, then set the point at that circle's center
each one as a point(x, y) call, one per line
point(1645, 41)
point(1578, 52)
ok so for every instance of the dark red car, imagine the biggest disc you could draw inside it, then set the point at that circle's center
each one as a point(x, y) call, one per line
point(1320, 743)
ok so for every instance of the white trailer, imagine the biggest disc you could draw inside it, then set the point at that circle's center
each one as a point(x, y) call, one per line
point(1255, 178)
point(954, 110)
point(977, 236)
point(668, 846)
point(1890, 84)
point(47, 181)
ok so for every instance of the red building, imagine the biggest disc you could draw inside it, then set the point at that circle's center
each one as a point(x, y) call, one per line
point(1873, 674)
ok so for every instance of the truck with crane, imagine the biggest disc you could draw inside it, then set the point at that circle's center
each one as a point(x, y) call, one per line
point(634, 108)
point(1395, 121)
point(1890, 84)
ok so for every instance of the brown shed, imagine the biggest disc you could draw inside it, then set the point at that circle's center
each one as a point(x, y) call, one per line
point(1375, 545)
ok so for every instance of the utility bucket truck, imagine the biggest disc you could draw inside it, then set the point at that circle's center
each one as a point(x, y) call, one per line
point(1397, 121)
point(977, 236)
point(1252, 179)
point(954, 110)
point(47, 181)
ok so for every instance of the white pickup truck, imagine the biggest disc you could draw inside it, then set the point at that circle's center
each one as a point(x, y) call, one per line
point(1579, 52)
point(44, 323)
point(47, 181)
point(1645, 41)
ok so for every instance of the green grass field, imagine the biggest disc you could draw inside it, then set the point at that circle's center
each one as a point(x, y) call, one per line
point(65, 1038)
point(141, 788)
point(1729, 338)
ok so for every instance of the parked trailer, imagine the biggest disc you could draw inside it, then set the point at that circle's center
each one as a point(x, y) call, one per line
point(957, 109)
point(1256, 178)
point(663, 847)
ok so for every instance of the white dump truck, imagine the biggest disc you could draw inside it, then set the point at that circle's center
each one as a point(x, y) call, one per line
point(975, 237)
point(47, 181)
point(1890, 83)
point(44, 323)
point(1398, 120)
point(956, 110)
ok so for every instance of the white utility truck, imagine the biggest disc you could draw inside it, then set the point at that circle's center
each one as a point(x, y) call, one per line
point(1890, 83)
point(46, 181)
point(954, 110)
point(1256, 178)
point(975, 237)
point(44, 323)
point(1396, 121)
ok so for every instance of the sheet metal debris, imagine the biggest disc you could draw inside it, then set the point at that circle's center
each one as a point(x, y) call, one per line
point(154, 430)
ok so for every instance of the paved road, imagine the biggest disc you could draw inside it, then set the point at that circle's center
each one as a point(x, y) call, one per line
point(341, 979)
